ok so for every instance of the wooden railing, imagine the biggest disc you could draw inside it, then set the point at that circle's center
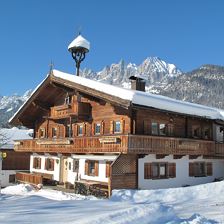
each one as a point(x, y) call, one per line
point(168, 145)
point(86, 144)
point(32, 178)
point(63, 111)
point(219, 149)
point(137, 144)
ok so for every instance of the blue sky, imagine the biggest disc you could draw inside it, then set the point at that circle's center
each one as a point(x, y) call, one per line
point(188, 33)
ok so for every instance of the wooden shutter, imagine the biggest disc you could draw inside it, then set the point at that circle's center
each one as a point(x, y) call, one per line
point(87, 167)
point(52, 164)
point(172, 170)
point(34, 163)
point(46, 164)
point(84, 128)
point(209, 169)
point(147, 171)
point(111, 127)
point(96, 168)
point(102, 128)
point(108, 169)
point(93, 128)
point(122, 126)
point(191, 170)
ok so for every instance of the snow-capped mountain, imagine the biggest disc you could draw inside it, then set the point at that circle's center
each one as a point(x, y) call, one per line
point(9, 105)
point(153, 69)
point(203, 85)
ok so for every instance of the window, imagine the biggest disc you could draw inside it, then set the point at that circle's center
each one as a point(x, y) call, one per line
point(154, 128)
point(97, 129)
point(54, 132)
point(196, 131)
point(75, 165)
point(200, 169)
point(68, 131)
point(49, 164)
point(159, 170)
point(42, 133)
point(80, 129)
point(69, 165)
point(12, 178)
point(37, 163)
point(162, 129)
point(91, 167)
point(68, 99)
point(206, 133)
point(117, 127)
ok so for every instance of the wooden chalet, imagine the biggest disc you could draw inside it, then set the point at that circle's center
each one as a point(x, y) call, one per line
point(104, 137)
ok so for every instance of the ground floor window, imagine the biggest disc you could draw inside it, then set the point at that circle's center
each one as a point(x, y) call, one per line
point(200, 169)
point(37, 163)
point(12, 178)
point(91, 167)
point(49, 164)
point(75, 165)
point(159, 170)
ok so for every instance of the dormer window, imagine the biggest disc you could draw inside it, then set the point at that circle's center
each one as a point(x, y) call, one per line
point(68, 99)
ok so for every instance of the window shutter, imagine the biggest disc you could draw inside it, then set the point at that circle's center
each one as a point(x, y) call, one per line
point(96, 168)
point(34, 163)
point(172, 170)
point(39, 163)
point(46, 161)
point(122, 126)
point(87, 167)
point(209, 169)
point(108, 169)
point(191, 170)
point(147, 171)
point(102, 128)
point(52, 164)
point(93, 128)
point(84, 128)
point(111, 127)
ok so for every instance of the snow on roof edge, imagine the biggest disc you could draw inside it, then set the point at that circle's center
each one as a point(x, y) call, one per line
point(146, 99)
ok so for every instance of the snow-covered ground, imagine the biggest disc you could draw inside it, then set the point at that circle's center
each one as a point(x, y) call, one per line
point(198, 204)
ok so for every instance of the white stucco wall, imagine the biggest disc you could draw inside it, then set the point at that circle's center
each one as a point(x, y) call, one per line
point(55, 172)
point(182, 172)
point(5, 177)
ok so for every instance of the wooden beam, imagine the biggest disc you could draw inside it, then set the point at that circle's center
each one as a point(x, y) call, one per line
point(41, 105)
point(160, 156)
point(193, 156)
point(178, 156)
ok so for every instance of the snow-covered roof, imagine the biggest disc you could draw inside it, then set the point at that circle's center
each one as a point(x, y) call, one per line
point(10, 135)
point(79, 41)
point(146, 99)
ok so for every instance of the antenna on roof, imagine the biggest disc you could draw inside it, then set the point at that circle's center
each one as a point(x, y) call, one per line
point(51, 66)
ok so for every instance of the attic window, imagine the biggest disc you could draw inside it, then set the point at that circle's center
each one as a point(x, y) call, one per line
point(68, 99)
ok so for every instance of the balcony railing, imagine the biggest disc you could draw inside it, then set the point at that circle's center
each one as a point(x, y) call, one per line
point(167, 145)
point(137, 144)
point(78, 109)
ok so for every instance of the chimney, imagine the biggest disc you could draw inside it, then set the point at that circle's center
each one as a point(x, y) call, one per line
point(137, 83)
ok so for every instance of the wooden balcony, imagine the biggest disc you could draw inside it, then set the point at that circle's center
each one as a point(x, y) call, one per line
point(95, 144)
point(219, 149)
point(136, 144)
point(167, 145)
point(79, 109)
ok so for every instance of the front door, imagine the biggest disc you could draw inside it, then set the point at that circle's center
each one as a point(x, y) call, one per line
point(64, 169)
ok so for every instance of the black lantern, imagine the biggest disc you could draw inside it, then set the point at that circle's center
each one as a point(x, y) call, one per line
point(78, 48)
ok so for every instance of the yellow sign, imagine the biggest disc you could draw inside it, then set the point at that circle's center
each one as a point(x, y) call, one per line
point(3, 155)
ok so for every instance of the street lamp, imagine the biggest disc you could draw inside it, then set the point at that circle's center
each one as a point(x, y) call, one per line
point(78, 48)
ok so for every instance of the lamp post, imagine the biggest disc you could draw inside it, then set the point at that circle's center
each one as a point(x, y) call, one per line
point(78, 48)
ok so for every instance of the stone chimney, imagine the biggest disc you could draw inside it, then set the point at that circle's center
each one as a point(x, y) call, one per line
point(137, 83)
